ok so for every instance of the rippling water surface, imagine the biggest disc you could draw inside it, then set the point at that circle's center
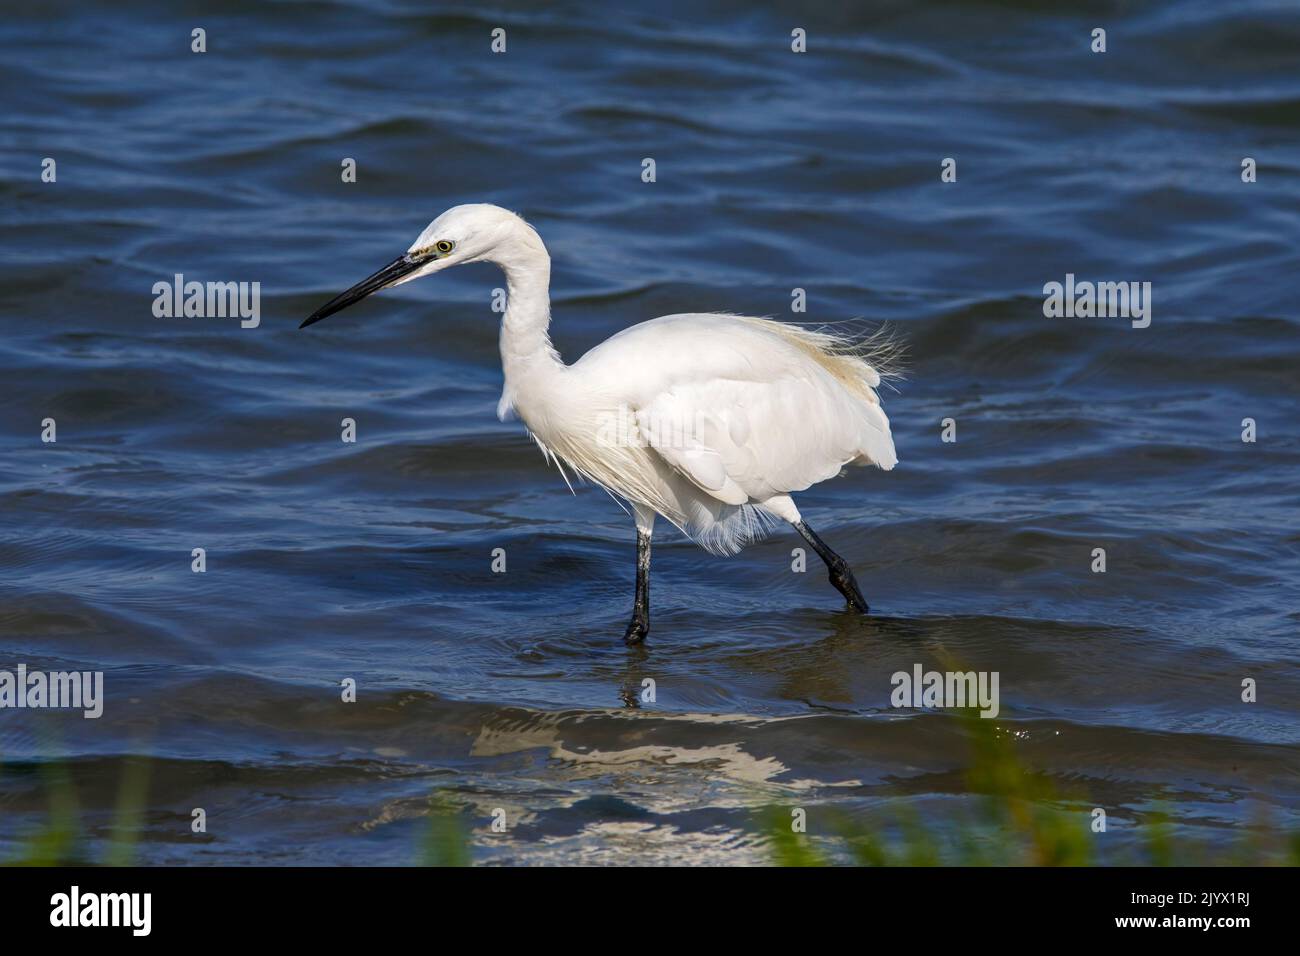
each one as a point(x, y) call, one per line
point(372, 560)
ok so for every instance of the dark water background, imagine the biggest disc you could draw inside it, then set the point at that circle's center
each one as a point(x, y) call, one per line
point(372, 561)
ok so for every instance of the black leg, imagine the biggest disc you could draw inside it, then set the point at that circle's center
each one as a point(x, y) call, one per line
point(841, 573)
point(640, 625)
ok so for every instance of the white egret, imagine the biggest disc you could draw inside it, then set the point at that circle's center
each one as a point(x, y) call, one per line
point(710, 420)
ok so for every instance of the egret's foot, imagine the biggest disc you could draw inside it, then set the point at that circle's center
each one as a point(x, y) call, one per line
point(840, 573)
point(842, 577)
point(637, 629)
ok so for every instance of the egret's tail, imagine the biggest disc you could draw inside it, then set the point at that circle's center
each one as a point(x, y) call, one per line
point(859, 357)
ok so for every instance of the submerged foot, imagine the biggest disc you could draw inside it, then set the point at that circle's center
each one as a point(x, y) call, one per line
point(847, 585)
point(637, 629)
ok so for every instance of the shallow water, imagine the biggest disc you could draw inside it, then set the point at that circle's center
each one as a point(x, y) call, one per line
point(372, 561)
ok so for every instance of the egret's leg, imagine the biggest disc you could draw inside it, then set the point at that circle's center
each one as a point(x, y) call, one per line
point(840, 572)
point(639, 626)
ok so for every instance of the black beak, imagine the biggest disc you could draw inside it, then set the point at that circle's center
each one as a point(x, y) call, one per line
point(403, 265)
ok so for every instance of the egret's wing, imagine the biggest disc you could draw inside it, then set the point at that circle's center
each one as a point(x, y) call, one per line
point(745, 440)
point(689, 439)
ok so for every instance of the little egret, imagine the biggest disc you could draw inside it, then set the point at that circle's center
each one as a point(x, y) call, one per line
point(710, 420)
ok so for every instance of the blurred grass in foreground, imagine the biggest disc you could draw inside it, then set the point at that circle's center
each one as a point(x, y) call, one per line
point(1022, 821)
point(60, 841)
point(446, 840)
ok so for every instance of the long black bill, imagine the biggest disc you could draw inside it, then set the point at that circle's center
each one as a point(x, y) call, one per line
point(403, 265)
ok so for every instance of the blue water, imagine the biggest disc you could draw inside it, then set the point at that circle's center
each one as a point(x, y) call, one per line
point(774, 171)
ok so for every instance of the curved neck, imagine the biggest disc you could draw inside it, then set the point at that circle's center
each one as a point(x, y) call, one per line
point(524, 337)
point(526, 350)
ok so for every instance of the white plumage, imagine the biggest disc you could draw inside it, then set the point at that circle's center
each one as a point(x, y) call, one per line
point(710, 420)
point(747, 410)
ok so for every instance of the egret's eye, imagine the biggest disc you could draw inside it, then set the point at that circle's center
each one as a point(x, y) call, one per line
point(444, 246)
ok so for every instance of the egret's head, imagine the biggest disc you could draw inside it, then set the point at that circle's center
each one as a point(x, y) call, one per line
point(470, 233)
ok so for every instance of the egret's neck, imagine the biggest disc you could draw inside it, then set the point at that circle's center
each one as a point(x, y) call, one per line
point(526, 351)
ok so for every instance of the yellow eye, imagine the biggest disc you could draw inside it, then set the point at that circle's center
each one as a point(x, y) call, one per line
point(443, 246)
